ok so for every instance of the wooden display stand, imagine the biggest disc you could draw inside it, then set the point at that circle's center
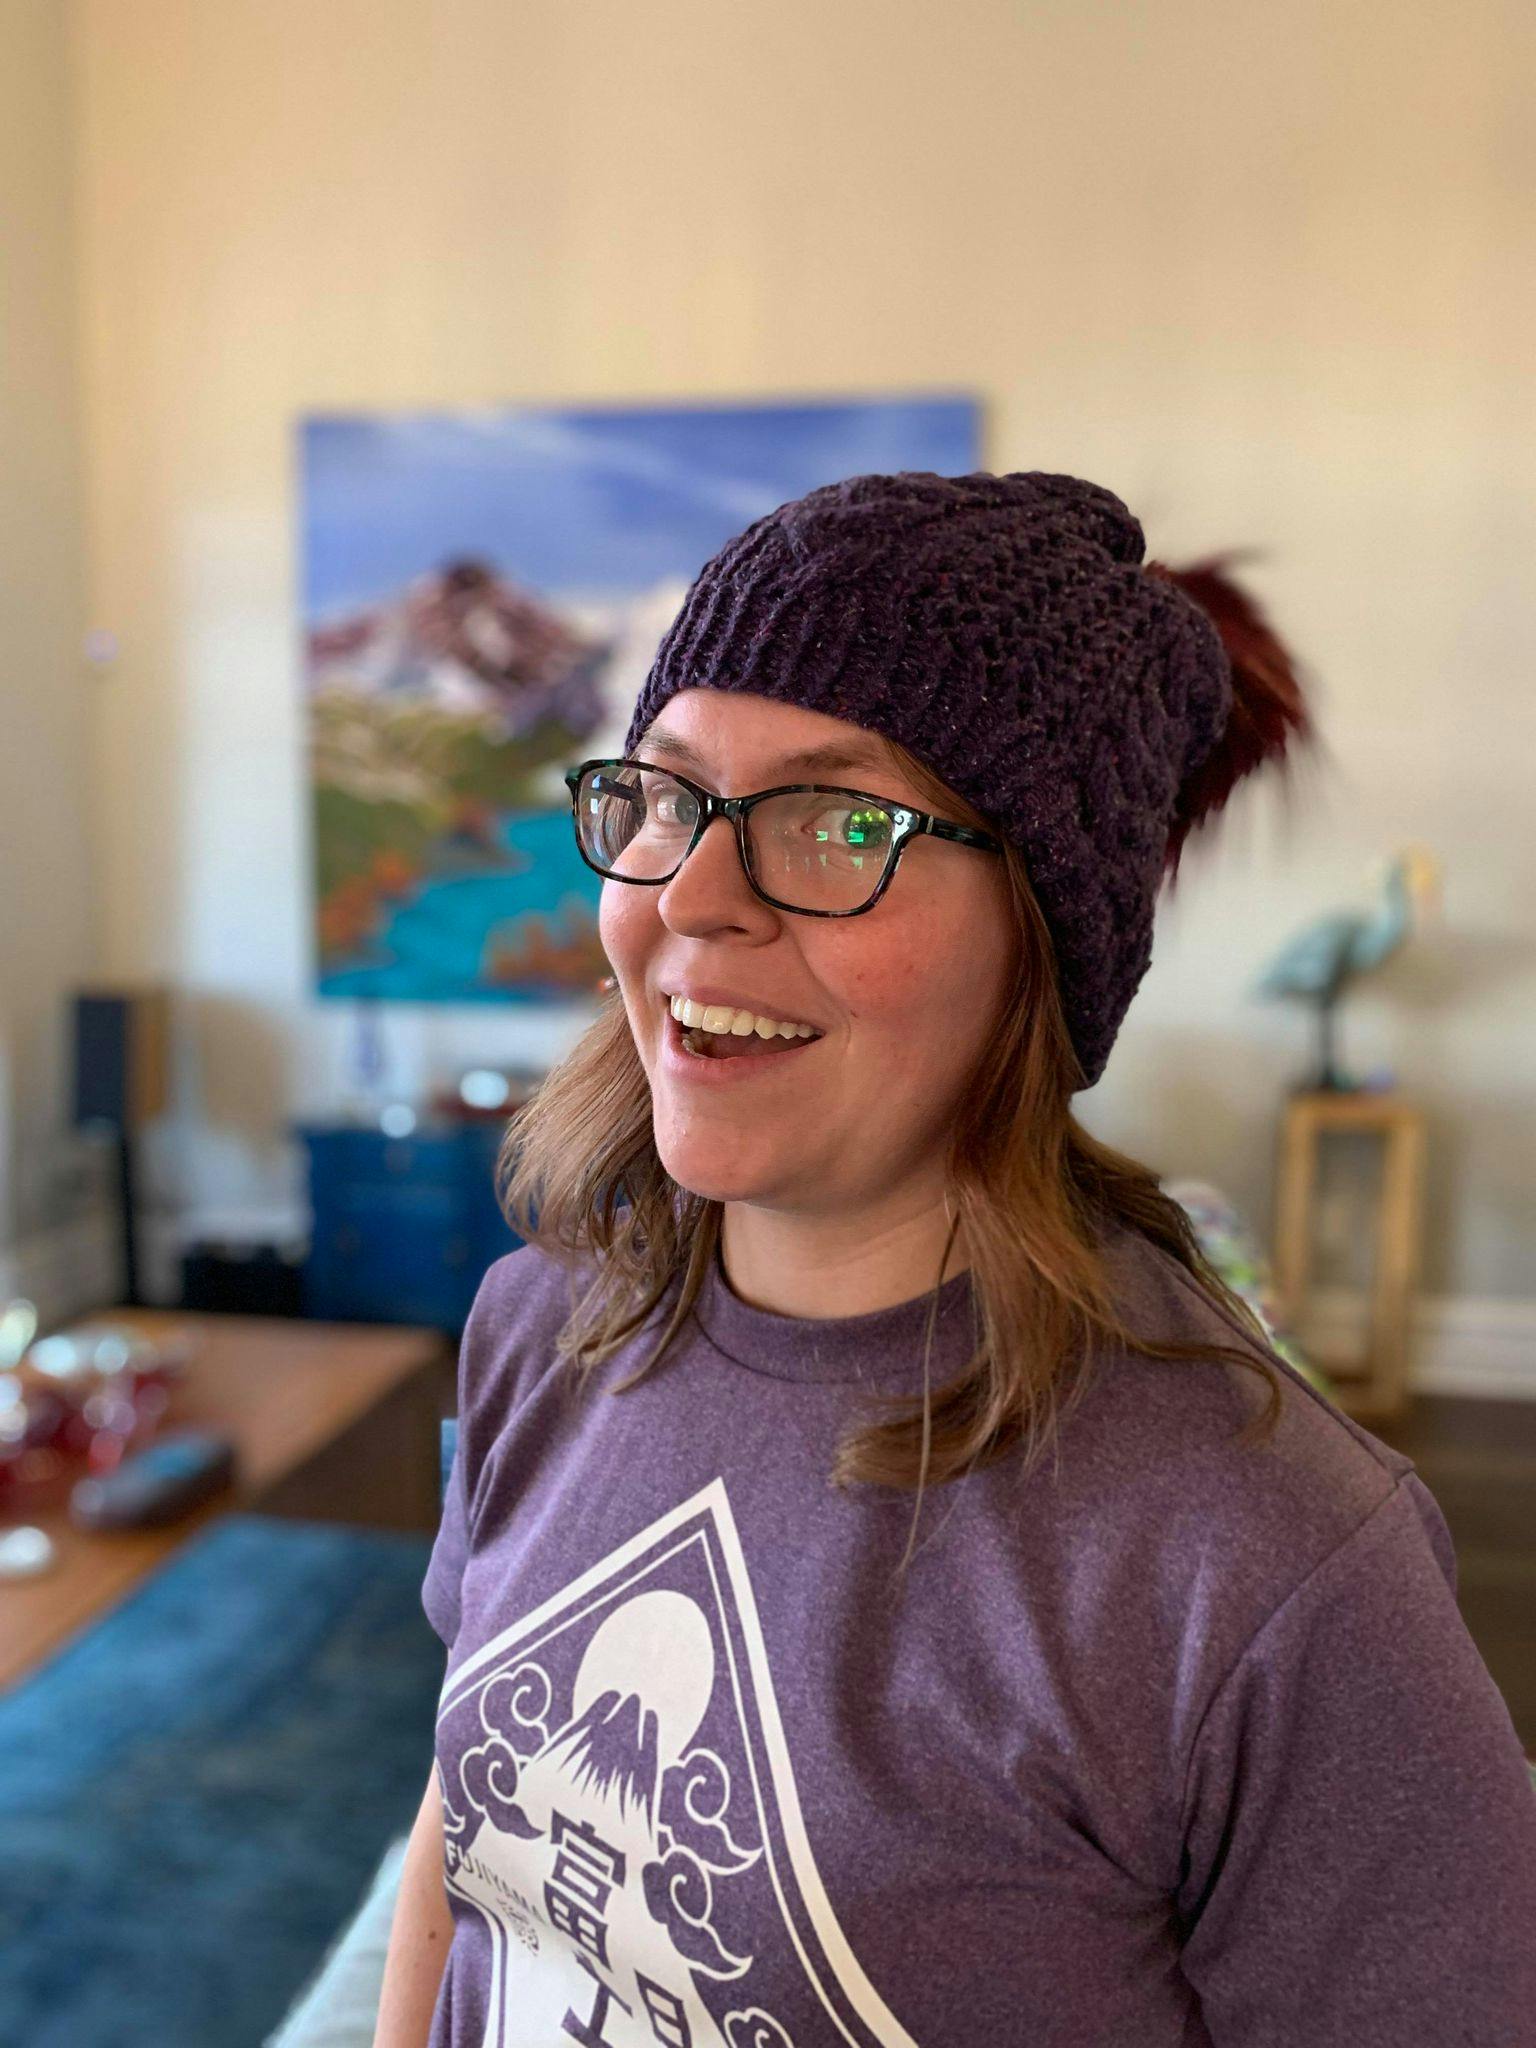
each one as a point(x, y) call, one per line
point(1379, 1388)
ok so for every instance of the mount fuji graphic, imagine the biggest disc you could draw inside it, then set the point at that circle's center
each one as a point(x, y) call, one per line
point(610, 1749)
point(623, 1829)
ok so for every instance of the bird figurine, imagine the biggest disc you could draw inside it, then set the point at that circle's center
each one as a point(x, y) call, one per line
point(1320, 962)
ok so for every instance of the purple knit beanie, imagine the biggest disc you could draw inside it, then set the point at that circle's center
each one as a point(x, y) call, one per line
point(1003, 630)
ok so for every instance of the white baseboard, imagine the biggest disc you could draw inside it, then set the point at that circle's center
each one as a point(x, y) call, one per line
point(1461, 1344)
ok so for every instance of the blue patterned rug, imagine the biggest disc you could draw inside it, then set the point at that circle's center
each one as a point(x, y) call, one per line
point(194, 1795)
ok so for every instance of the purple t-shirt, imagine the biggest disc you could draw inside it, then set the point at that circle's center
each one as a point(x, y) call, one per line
point(1177, 1742)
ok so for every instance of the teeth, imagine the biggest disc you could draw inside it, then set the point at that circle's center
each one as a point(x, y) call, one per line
point(725, 1022)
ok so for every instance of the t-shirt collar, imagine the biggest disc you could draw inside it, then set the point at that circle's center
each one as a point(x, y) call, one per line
point(882, 1345)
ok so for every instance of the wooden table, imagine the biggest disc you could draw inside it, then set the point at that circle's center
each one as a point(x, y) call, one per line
point(336, 1421)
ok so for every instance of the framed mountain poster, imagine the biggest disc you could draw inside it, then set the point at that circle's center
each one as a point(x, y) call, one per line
point(483, 594)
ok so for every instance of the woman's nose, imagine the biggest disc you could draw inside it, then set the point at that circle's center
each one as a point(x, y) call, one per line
point(711, 881)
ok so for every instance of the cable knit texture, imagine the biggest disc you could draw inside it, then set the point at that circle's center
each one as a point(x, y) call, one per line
point(1001, 628)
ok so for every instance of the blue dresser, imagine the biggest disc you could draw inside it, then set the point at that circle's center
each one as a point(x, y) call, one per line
point(404, 1228)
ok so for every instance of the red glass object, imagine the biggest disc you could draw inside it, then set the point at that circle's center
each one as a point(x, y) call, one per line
point(79, 1405)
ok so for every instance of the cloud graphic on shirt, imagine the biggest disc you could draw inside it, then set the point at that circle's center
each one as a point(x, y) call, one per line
point(489, 1775)
point(511, 1711)
point(515, 1705)
point(695, 1803)
point(755, 2029)
point(680, 1896)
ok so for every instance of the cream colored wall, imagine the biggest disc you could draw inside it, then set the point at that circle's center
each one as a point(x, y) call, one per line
point(1264, 271)
point(45, 785)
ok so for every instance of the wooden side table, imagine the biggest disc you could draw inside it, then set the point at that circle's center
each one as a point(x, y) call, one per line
point(1377, 1385)
point(331, 1422)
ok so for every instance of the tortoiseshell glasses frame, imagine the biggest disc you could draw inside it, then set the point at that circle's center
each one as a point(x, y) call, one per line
point(906, 824)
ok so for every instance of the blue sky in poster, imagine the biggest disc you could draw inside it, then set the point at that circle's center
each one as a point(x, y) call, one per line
point(579, 500)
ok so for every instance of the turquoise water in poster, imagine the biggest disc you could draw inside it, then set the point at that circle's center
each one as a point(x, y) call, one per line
point(458, 936)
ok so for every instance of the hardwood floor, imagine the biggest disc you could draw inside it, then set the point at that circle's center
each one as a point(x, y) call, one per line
point(1478, 1458)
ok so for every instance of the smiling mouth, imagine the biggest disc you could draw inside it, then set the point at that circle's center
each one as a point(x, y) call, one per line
point(716, 1045)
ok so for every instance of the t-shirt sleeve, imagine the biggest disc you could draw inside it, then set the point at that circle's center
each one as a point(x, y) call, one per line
point(491, 1356)
point(1359, 1825)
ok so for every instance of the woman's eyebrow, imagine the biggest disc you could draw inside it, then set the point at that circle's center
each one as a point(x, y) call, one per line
point(833, 756)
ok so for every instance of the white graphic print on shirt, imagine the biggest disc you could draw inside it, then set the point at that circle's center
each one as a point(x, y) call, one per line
point(620, 1809)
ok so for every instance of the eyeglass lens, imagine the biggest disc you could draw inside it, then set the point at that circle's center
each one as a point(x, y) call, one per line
point(808, 848)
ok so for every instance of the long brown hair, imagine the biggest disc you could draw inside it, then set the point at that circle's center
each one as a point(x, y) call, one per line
point(1031, 1194)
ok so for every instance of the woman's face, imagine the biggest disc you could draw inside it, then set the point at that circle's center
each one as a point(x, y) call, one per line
point(905, 996)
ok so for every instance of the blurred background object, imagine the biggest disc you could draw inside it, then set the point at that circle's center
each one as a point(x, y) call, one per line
point(121, 1067)
point(1318, 966)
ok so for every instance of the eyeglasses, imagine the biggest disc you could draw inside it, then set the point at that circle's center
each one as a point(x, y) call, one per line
point(809, 847)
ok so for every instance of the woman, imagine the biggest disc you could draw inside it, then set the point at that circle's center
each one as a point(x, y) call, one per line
point(794, 1695)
